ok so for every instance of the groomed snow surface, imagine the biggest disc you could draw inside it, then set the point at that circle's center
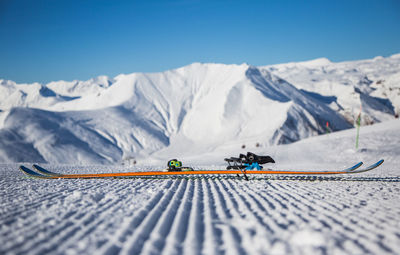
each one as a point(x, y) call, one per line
point(341, 214)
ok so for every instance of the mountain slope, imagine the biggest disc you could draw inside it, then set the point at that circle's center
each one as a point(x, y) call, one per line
point(374, 84)
point(194, 109)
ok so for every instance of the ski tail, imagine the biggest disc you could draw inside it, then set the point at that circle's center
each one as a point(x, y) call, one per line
point(31, 173)
point(44, 171)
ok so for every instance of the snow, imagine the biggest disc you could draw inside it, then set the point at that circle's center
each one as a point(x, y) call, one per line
point(340, 214)
point(348, 83)
point(200, 114)
point(196, 109)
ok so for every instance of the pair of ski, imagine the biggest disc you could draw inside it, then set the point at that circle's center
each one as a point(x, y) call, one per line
point(40, 172)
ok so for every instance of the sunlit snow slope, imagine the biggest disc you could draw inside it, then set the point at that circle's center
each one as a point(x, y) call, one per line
point(195, 109)
point(270, 214)
point(374, 83)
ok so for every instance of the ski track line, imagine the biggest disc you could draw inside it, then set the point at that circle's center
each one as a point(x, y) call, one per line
point(111, 227)
point(212, 234)
point(325, 217)
point(290, 217)
point(152, 227)
point(252, 226)
point(164, 226)
point(32, 206)
point(273, 215)
point(69, 225)
point(261, 208)
point(26, 209)
point(129, 232)
point(179, 229)
point(195, 229)
point(68, 222)
point(100, 218)
point(28, 229)
point(16, 196)
point(30, 222)
point(364, 235)
point(137, 219)
point(261, 219)
point(364, 225)
point(230, 234)
point(129, 224)
point(278, 220)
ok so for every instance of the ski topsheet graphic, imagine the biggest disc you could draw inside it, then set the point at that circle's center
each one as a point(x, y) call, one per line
point(46, 174)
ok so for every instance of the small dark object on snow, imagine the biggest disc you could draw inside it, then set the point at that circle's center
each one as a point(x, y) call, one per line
point(176, 165)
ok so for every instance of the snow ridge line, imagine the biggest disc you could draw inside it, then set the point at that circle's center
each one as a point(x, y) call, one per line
point(119, 239)
point(157, 235)
point(110, 208)
point(231, 236)
point(180, 224)
point(26, 246)
point(255, 220)
point(195, 231)
point(74, 224)
point(327, 218)
point(135, 243)
point(68, 227)
point(31, 208)
point(362, 228)
point(213, 240)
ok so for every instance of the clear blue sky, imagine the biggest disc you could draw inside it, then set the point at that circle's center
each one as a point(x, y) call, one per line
point(46, 40)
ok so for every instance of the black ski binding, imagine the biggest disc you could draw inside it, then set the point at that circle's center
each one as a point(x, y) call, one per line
point(247, 162)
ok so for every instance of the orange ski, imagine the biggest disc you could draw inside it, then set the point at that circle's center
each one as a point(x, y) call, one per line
point(43, 173)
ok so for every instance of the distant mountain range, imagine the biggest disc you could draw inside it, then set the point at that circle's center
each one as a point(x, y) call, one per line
point(195, 109)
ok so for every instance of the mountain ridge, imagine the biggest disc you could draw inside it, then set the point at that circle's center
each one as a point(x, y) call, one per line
point(193, 109)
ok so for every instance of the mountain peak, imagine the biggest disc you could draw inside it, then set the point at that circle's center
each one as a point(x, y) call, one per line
point(195, 109)
point(316, 62)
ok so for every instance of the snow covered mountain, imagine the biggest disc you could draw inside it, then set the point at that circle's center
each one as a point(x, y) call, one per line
point(375, 84)
point(191, 110)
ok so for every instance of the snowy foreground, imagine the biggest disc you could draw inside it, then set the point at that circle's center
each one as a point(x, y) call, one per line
point(352, 214)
